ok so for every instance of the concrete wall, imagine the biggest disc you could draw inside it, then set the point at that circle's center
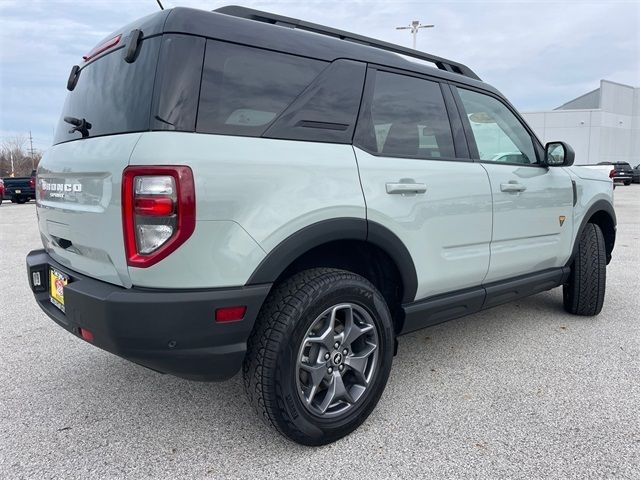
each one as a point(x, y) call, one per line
point(609, 133)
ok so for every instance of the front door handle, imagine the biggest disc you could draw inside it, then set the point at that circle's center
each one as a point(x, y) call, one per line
point(403, 188)
point(512, 187)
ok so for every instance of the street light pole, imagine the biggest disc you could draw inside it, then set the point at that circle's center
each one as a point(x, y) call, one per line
point(415, 25)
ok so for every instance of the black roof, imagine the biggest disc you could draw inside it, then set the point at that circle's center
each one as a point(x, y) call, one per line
point(289, 35)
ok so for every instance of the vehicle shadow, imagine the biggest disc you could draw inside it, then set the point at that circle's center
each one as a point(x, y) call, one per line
point(103, 396)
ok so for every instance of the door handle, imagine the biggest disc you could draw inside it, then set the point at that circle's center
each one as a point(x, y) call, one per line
point(512, 187)
point(402, 188)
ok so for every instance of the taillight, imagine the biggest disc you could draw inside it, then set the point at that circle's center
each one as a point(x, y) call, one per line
point(158, 212)
point(612, 173)
point(32, 182)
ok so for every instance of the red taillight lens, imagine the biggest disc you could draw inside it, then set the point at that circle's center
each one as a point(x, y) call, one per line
point(612, 173)
point(32, 182)
point(158, 212)
point(230, 314)
point(152, 206)
point(103, 47)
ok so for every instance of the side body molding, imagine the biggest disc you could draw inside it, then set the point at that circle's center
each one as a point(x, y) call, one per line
point(278, 259)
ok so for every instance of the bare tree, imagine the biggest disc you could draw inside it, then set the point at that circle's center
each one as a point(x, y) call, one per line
point(14, 159)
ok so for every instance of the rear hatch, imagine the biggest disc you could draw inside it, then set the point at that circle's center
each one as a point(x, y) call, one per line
point(79, 179)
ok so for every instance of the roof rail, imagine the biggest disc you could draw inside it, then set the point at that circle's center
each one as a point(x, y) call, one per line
point(266, 17)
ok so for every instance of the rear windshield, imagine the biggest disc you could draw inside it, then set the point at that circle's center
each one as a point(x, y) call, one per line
point(112, 95)
point(623, 167)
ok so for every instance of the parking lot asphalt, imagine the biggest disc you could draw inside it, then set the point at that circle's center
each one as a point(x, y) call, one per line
point(523, 390)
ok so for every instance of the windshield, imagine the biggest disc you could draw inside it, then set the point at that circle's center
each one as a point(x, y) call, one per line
point(112, 95)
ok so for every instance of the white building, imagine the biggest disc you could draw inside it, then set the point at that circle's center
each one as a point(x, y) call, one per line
point(602, 125)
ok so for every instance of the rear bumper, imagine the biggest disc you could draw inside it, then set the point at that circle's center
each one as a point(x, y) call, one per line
point(622, 178)
point(170, 331)
point(24, 192)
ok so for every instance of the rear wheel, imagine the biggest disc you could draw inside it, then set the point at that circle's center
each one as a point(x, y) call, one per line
point(627, 183)
point(21, 200)
point(583, 294)
point(320, 355)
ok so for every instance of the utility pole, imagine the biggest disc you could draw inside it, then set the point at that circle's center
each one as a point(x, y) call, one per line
point(31, 151)
point(415, 25)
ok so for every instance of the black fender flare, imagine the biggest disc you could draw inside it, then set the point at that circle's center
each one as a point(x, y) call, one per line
point(316, 234)
point(598, 206)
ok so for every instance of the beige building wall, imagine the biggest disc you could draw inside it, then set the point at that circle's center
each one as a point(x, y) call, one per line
point(607, 128)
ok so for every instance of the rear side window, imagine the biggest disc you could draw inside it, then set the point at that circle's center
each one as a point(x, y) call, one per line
point(112, 95)
point(244, 89)
point(405, 117)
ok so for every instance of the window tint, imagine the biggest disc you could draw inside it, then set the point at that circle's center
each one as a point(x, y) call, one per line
point(111, 94)
point(244, 89)
point(327, 110)
point(499, 135)
point(406, 118)
point(177, 83)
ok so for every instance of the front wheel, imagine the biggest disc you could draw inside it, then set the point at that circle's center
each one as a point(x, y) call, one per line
point(583, 294)
point(320, 355)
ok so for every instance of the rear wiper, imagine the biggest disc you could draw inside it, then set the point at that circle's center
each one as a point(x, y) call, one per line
point(80, 125)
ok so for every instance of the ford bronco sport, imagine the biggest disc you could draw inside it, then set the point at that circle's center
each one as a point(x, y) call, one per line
point(236, 190)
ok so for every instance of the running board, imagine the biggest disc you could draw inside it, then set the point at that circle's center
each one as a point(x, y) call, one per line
point(441, 308)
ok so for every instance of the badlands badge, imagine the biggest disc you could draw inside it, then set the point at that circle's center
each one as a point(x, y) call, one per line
point(562, 218)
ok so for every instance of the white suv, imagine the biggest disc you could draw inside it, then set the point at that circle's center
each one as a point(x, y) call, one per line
point(239, 190)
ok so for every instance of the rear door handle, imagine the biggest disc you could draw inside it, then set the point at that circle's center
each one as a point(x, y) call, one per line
point(395, 188)
point(512, 187)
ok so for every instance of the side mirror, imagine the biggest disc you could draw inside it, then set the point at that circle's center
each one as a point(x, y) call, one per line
point(558, 154)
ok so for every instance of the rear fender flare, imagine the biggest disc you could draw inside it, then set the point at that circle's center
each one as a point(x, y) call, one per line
point(314, 235)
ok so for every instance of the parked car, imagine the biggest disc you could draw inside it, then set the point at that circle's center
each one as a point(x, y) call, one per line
point(261, 194)
point(20, 189)
point(623, 172)
point(636, 174)
point(1, 190)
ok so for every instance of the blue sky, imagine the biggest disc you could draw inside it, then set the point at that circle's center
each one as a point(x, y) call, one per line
point(540, 54)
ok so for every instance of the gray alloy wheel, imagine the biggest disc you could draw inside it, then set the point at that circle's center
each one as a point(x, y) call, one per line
point(320, 355)
point(337, 359)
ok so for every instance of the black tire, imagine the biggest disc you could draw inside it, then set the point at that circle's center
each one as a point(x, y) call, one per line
point(21, 200)
point(271, 367)
point(627, 183)
point(583, 294)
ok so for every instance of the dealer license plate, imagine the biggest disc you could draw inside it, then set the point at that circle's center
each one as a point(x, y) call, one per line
point(57, 282)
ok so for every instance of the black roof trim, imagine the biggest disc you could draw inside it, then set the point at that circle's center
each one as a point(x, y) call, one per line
point(281, 20)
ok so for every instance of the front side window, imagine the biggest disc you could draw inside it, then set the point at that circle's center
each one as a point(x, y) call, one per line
point(244, 89)
point(406, 117)
point(499, 135)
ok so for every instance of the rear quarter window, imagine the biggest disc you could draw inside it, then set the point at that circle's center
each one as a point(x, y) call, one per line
point(244, 89)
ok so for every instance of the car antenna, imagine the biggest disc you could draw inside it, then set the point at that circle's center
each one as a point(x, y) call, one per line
point(160, 5)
